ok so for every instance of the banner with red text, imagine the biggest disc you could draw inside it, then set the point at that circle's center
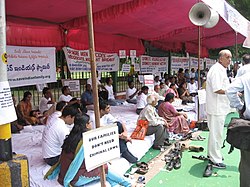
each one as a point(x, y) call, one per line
point(79, 61)
point(30, 65)
point(179, 62)
point(153, 64)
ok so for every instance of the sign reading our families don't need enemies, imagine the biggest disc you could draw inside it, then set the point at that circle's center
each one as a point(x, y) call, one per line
point(30, 65)
point(79, 60)
point(153, 64)
point(100, 146)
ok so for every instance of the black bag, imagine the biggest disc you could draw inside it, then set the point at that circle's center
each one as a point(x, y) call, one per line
point(202, 125)
point(238, 134)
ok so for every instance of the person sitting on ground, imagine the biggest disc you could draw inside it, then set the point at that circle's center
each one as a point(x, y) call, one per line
point(180, 76)
point(163, 89)
point(102, 92)
point(57, 113)
point(184, 94)
point(66, 96)
point(156, 124)
point(46, 101)
point(159, 98)
point(39, 117)
point(157, 80)
point(107, 119)
point(177, 122)
point(54, 134)
point(71, 166)
point(87, 96)
point(131, 93)
point(142, 99)
point(24, 108)
point(111, 97)
point(172, 89)
point(193, 87)
point(187, 75)
point(17, 125)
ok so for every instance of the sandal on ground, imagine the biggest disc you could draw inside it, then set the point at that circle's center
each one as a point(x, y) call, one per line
point(144, 164)
point(198, 138)
point(142, 169)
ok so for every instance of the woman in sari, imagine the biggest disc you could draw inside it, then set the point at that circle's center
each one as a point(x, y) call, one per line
point(177, 121)
point(71, 166)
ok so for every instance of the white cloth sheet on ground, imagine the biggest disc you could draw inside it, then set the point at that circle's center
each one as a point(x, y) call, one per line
point(28, 142)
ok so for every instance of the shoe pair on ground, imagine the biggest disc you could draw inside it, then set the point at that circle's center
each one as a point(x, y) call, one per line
point(142, 168)
point(209, 168)
point(159, 147)
point(173, 158)
point(173, 162)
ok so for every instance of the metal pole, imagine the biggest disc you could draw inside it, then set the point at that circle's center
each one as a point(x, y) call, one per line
point(93, 76)
point(5, 131)
point(199, 56)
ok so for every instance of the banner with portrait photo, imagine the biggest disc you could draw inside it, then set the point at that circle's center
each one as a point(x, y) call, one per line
point(79, 61)
point(30, 65)
point(153, 64)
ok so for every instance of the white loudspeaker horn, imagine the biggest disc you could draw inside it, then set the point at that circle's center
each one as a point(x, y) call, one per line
point(214, 19)
point(201, 15)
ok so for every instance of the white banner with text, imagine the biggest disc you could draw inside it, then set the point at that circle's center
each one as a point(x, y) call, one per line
point(179, 62)
point(30, 65)
point(153, 64)
point(79, 61)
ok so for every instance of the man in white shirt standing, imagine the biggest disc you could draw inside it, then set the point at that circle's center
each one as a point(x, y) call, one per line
point(54, 134)
point(246, 66)
point(141, 99)
point(131, 93)
point(217, 105)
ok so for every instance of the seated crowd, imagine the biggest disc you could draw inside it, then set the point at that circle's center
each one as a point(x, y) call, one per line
point(66, 120)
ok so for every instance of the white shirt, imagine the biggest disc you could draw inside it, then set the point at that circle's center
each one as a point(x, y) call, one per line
point(53, 137)
point(53, 116)
point(217, 104)
point(107, 119)
point(141, 101)
point(242, 70)
point(158, 96)
point(130, 92)
point(65, 98)
point(43, 105)
point(149, 113)
point(110, 91)
point(192, 88)
point(241, 83)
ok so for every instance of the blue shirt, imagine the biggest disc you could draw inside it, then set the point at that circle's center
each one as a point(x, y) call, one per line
point(240, 84)
point(87, 97)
